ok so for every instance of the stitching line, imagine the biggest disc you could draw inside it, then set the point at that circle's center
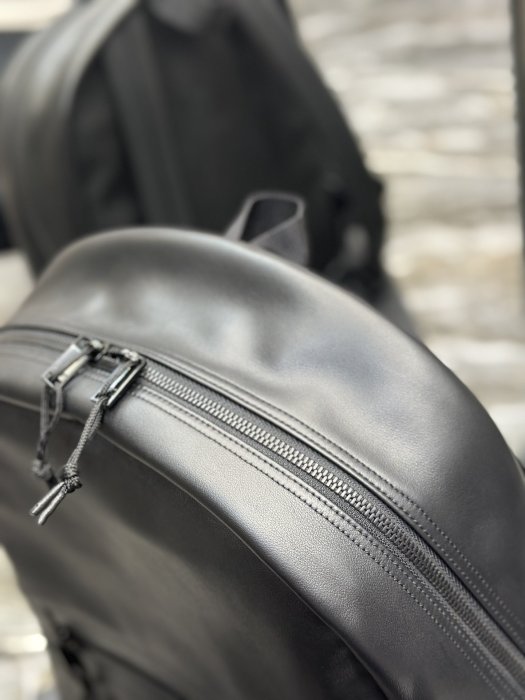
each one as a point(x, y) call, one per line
point(274, 411)
point(322, 445)
point(339, 514)
point(493, 671)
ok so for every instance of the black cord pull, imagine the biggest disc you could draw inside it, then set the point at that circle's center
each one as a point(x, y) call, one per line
point(51, 406)
point(129, 366)
point(55, 378)
point(70, 478)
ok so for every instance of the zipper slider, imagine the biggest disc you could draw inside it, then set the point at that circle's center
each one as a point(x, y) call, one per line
point(129, 366)
point(72, 360)
point(122, 376)
point(64, 368)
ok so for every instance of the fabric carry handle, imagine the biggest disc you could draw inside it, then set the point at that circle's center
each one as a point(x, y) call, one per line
point(275, 222)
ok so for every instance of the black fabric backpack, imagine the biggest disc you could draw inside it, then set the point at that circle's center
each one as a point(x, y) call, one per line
point(171, 112)
point(283, 496)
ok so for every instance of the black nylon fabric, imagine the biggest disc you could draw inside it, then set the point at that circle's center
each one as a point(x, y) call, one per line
point(107, 197)
point(246, 111)
point(240, 96)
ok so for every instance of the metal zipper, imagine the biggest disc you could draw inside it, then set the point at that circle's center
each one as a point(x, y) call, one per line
point(54, 379)
point(387, 527)
point(376, 518)
point(70, 364)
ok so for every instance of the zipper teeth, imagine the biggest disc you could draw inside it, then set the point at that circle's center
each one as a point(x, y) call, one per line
point(443, 581)
point(264, 438)
point(286, 451)
point(412, 550)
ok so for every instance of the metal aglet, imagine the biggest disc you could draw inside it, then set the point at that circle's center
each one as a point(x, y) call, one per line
point(129, 366)
point(47, 505)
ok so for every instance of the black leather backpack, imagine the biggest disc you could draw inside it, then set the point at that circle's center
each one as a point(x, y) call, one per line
point(160, 112)
point(283, 496)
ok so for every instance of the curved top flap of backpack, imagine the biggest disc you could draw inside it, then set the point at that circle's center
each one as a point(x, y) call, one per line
point(306, 355)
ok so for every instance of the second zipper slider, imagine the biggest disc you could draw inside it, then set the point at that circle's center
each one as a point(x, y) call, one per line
point(130, 365)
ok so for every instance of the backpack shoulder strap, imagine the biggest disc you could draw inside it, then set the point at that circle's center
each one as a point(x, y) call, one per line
point(130, 63)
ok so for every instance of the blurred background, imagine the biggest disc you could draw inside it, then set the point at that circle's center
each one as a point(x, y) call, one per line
point(429, 87)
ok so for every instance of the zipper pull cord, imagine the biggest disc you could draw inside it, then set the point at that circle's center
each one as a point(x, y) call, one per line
point(130, 365)
point(70, 477)
point(51, 407)
point(63, 370)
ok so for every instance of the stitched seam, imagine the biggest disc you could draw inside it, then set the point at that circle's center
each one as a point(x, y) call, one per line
point(492, 670)
point(440, 547)
point(36, 358)
point(322, 445)
point(412, 517)
point(97, 373)
point(275, 411)
point(443, 549)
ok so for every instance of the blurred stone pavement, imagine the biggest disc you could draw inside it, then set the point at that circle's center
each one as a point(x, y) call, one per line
point(429, 90)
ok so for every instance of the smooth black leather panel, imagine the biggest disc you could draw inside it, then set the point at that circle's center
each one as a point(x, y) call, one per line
point(322, 363)
point(153, 583)
point(195, 561)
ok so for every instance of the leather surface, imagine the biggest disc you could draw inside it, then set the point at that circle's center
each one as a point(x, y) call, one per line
point(327, 367)
point(166, 602)
point(322, 364)
point(151, 581)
